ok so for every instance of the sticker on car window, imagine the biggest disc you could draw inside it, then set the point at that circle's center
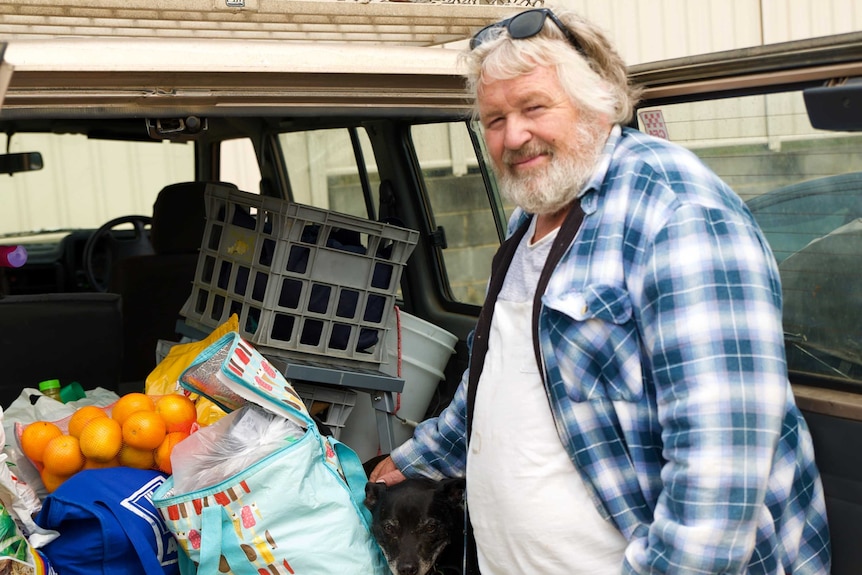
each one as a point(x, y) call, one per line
point(653, 123)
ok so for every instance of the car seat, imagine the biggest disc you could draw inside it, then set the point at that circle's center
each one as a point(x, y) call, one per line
point(155, 287)
point(65, 336)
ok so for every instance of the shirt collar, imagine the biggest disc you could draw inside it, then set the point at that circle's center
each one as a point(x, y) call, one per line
point(604, 161)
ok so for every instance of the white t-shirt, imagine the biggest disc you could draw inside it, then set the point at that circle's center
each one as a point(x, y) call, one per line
point(529, 508)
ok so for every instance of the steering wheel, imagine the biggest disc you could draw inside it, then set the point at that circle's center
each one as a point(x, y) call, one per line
point(104, 247)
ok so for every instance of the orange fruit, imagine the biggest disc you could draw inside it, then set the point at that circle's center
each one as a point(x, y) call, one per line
point(131, 403)
point(135, 457)
point(144, 430)
point(178, 412)
point(101, 439)
point(52, 481)
point(163, 451)
point(36, 436)
point(63, 455)
point(83, 416)
point(93, 464)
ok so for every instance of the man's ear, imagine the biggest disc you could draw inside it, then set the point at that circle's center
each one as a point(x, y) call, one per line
point(372, 493)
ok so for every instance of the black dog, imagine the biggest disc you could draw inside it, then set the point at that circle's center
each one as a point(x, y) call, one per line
point(419, 524)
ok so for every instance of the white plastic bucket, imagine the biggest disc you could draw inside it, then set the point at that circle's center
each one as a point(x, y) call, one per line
point(425, 350)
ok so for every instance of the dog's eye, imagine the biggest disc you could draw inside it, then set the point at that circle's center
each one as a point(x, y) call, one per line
point(430, 528)
point(389, 529)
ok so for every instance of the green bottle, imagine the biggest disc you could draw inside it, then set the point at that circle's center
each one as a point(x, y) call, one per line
point(51, 388)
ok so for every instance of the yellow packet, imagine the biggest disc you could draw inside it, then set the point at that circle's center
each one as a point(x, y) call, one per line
point(163, 379)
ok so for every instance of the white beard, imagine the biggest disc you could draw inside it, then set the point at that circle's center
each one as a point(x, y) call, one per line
point(549, 190)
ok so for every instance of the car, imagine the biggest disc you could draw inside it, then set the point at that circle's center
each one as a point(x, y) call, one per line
point(793, 216)
point(813, 227)
point(124, 157)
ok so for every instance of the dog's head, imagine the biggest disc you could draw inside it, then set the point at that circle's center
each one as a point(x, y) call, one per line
point(413, 521)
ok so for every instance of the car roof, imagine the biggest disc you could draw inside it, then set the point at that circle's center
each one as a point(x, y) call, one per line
point(60, 79)
point(125, 77)
point(128, 58)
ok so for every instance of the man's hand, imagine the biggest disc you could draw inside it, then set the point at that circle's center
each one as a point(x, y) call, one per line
point(386, 472)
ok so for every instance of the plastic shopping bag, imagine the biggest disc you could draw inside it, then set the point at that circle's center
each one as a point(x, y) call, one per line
point(165, 377)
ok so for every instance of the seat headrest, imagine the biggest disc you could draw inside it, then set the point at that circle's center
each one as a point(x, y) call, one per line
point(179, 218)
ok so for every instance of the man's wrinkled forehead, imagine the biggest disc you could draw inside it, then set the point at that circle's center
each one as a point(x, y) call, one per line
point(540, 83)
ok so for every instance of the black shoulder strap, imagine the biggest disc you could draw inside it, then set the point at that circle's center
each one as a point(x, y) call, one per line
point(564, 239)
point(499, 267)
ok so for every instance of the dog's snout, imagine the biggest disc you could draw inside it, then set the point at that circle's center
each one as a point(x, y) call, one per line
point(408, 568)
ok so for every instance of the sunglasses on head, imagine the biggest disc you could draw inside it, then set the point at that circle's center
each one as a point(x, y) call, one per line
point(526, 25)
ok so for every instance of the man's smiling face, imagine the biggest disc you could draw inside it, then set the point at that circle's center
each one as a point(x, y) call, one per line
point(543, 148)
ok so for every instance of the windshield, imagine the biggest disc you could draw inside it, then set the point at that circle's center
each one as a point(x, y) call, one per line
point(86, 182)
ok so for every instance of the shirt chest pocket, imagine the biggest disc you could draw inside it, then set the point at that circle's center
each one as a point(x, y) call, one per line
point(595, 344)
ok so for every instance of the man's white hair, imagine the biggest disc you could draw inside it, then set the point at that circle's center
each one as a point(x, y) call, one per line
point(597, 84)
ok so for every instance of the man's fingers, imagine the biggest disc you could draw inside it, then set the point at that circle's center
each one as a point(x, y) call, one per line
point(385, 466)
point(391, 478)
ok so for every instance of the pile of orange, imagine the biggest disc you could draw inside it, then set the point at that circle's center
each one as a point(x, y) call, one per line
point(138, 431)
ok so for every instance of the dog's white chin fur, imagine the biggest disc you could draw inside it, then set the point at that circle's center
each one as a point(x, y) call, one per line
point(424, 566)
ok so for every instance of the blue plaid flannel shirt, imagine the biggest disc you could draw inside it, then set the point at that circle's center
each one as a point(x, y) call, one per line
point(665, 316)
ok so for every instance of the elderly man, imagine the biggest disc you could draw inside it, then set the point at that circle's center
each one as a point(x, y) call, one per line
point(627, 407)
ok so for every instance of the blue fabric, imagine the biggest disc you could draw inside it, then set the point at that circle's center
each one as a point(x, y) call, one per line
point(664, 317)
point(108, 524)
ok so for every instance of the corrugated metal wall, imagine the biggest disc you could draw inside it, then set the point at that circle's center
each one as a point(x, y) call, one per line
point(650, 30)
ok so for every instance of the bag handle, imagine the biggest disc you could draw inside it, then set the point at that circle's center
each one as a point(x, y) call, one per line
point(354, 473)
point(146, 556)
point(211, 548)
point(187, 566)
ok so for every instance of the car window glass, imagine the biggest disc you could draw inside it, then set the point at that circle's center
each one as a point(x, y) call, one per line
point(327, 171)
point(804, 187)
point(238, 164)
point(460, 203)
point(87, 182)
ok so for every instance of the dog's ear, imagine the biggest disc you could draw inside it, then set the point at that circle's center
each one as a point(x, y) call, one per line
point(372, 493)
point(452, 490)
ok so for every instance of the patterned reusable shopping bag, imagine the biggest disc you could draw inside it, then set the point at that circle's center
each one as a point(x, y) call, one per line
point(297, 511)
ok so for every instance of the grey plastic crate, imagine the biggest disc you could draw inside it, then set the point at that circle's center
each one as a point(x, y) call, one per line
point(301, 279)
point(333, 406)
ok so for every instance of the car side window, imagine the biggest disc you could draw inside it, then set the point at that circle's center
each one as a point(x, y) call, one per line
point(238, 164)
point(335, 169)
point(804, 187)
point(461, 204)
point(332, 169)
